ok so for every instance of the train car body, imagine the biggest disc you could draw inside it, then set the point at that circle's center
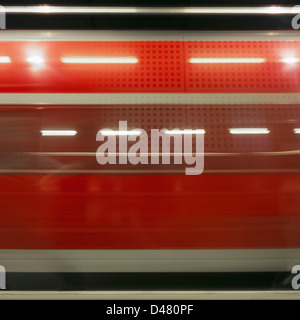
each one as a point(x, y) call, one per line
point(62, 211)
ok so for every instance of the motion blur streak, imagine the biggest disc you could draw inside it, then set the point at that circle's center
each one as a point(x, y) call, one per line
point(58, 132)
point(45, 9)
point(228, 60)
point(99, 60)
point(59, 207)
point(124, 66)
point(250, 260)
point(249, 131)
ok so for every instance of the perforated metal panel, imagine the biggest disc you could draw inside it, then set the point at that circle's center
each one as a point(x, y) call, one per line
point(162, 67)
point(145, 117)
point(28, 150)
point(217, 120)
point(273, 75)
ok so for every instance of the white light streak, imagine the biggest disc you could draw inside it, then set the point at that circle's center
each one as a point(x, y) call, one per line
point(249, 130)
point(121, 133)
point(99, 60)
point(4, 59)
point(290, 60)
point(46, 9)
point(35, 59)
point(58, 132)
point(186, 131)
point(227, 60)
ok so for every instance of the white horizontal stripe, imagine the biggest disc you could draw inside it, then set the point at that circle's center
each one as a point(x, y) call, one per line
point(99, 60)
point(185, 131)
point(248, 260)
point(47, 9)
point(58, 132)
point(227, 60)
point(290, 60)
point(151, 295)
point(148, 98)
point(124, 35)
point(35, 59)
point(120, 133)
point(4, 59)
point(249, 131)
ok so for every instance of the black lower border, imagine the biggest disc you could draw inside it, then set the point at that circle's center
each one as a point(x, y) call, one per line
point(149, 281)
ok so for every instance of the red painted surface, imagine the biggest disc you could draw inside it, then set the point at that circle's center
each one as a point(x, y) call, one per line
point(149, 212)
point(163, 67)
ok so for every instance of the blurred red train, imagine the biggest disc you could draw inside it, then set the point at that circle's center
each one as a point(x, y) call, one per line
point(63, 212)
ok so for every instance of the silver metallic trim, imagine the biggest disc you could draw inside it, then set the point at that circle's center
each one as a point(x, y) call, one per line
point(124, 35)
point(148, 98)
point(248, 260)
point(150, 295)
point(48, 9)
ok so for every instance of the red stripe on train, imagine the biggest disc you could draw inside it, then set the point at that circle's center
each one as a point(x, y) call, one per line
point(149, 212)
point(162, 67)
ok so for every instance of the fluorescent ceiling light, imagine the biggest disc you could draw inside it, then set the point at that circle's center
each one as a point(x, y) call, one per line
point(186, 131)
point(249, 130)
point(5, 59)
point(227, 60)
point(99, 60)
point(120, 133)
point(297, 130)
point(58, 132)
point(46, 9)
